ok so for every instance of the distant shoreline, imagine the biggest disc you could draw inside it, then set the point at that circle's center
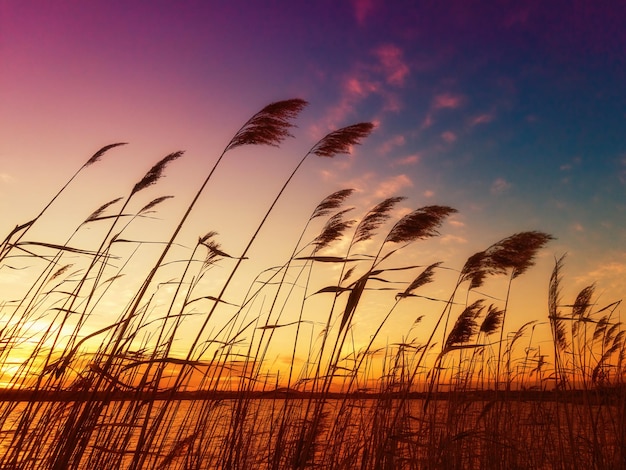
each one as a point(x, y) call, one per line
point(593, 396)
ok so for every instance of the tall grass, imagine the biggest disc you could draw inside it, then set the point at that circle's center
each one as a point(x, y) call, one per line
point(81, 393)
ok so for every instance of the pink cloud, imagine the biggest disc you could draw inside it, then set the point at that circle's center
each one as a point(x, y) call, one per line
point(362, 9)
point(390, 144)
point(391, 186)
point(482, 119)
point(499, 186)
point(429, 194)
point(394, 67)
point(392, 102)
point(408, 160)
point(360, 87)
point(449, 136)
point(428, 121)
point(447, 100)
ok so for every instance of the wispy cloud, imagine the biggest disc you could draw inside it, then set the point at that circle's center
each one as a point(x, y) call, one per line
point(452, 239)
point(428, 121)
point(482, 119)
point(383, 75)
point(359, 87)
point(448, 136)
point(392, 186)
point(392, 143)
point(393, 65)
point(574, 162)
point(429, 194)
point(500, 186)
point(608, 273)
point(5, 177)
point(408, 160)
point(456, 223)
point(362, 9)
point(447, 100)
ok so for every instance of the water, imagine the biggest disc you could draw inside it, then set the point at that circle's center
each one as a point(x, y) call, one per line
point(266, 433)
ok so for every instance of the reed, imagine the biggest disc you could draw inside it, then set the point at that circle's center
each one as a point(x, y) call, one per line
point(83, 391)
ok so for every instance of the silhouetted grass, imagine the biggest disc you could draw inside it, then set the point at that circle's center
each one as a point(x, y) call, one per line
point(79, 393)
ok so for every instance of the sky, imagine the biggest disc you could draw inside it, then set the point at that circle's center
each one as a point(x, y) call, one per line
point(514, 113)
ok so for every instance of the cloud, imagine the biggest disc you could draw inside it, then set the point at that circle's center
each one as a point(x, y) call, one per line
point(429, 194)
point(611, 270)
point(447, 100)
point(608, 273)
point(428, 121)
point(449, 136)
point(456, 223)
point(391, 186)
point(482, 119)
point(385, 67)
point(360, 87)
point(408, 160)
point(395, 141)
point(576, 161)
point(5, 177)
point(448, 239)
point(393, 65)
point(355, 88)
point(578, 227)
point(500, 186)
point(362, 9)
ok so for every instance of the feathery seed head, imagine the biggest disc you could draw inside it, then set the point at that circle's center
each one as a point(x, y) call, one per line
point(419, 224)
point(342, 140)
point(465, 326)
point(155, 173)
point(333, 229)
point(270, 126)
point(375, 218)
point(424, 278)
point(96, 156)
point(331, 202)
point(98, 212)
point(154, 203)
point(516, 253)
point(492, 320)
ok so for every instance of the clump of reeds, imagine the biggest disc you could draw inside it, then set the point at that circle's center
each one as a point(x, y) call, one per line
point(82, 394)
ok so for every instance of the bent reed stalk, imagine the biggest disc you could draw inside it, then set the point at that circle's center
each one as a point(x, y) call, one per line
point(299, 371)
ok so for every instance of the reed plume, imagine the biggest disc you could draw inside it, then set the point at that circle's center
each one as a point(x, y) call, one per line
point(554, 302)
point(334, 229)
point(342, 140)
point(98, 155)
point(492, 321)
point(465, 326)
point(420, 224)
point(376, 216)
point(95, 215)
point(424, 278)
point(156, 172)
point(331, 202)
point(270, 126)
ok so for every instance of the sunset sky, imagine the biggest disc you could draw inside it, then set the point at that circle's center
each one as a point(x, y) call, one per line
point(512, 113)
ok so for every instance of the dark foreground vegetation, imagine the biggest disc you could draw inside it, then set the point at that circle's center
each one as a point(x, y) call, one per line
point(80, 391)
